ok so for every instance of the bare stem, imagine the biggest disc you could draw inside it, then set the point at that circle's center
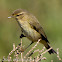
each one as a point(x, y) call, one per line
point(32, 48)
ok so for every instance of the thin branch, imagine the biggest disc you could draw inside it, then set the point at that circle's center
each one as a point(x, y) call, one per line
point(58, 54)
point(32, 48)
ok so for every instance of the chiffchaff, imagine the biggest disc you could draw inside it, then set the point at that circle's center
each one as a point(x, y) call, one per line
point(31, 27)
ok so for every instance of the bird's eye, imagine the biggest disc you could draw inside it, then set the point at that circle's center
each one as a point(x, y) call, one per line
point(17, 15)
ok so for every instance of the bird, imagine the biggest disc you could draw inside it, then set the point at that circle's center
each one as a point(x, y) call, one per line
point(31, 28)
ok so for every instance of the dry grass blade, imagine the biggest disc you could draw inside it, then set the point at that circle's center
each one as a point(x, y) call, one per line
point(19, 51)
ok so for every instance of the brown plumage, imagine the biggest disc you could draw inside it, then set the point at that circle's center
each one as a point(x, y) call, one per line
point(31, 27)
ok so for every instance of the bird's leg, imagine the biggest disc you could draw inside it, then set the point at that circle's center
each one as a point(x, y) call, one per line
point(29, 45)
point(22, 36)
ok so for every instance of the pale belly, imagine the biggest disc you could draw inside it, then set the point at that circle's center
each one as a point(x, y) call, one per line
point(31, 34)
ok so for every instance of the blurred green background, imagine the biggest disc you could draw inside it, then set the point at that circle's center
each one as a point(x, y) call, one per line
point(49, 14)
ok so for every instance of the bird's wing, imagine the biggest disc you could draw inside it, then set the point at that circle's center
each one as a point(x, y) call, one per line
point(36, 25)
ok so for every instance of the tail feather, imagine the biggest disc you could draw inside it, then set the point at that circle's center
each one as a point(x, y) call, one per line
point(47, 47)
point(50, 51)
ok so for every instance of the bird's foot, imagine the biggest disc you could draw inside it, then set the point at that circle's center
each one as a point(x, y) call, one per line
point(22, 36)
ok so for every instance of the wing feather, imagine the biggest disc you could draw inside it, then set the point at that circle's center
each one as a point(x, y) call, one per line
point(36, 25)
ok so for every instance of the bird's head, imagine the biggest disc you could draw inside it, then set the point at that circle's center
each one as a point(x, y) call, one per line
point(18, 14)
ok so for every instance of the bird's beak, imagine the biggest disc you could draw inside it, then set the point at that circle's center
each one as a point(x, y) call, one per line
point(10, 17)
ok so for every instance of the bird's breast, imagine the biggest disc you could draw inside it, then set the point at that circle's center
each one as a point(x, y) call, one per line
point(29, 32)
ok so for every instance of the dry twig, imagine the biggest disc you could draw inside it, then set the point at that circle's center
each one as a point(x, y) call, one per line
point(19, 51)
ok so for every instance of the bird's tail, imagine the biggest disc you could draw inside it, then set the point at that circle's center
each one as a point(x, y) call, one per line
point(50, 51)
